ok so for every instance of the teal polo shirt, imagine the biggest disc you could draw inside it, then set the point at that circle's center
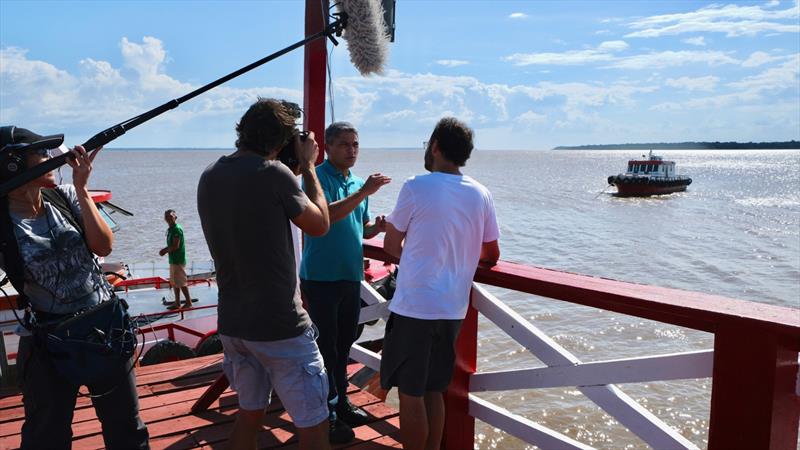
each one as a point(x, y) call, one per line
point(338, 255)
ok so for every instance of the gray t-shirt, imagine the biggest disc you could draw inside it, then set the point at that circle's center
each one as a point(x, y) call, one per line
point(245, 204)
point(61, 276)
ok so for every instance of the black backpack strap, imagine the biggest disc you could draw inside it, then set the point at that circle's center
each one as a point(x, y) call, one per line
point(14, 268)
point(60, 201)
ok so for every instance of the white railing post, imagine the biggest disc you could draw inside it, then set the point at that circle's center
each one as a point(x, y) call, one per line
point(630, 414)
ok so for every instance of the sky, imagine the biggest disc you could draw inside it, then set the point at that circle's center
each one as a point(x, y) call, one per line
point(522, 74)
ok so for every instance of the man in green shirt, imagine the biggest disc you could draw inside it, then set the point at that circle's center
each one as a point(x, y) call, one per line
point(177, 259)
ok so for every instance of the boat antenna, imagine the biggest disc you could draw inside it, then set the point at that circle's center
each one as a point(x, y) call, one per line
point(109, 134)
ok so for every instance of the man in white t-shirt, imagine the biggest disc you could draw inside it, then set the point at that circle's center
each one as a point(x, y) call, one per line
point(448, 223)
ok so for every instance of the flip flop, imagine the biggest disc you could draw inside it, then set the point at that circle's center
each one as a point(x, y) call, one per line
point(166, 302)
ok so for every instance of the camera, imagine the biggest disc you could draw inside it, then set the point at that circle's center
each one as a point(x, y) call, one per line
point(288, 154)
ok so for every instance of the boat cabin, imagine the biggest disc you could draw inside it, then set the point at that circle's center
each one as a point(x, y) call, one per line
point(654, 166)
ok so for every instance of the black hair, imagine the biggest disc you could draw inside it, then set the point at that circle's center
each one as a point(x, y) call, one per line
point(265, 127)
point(336, 128)
point(455, 140)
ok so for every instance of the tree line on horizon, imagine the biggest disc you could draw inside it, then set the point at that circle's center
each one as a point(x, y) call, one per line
point(687, 146)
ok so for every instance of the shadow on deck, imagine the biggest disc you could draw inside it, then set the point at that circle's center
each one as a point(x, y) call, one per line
point(168, 391)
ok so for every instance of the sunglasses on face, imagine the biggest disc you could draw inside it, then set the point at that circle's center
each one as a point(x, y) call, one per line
point(43, 152)
point(51, 152)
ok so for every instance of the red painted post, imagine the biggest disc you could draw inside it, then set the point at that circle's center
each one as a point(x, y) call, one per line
point(754, 403)
point(211, 394)
point(459, 426)
point(316, 54)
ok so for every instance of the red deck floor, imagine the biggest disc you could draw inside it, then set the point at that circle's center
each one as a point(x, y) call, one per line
point(167, 391)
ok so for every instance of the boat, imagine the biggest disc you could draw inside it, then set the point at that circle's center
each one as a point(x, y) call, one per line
point(646, 177)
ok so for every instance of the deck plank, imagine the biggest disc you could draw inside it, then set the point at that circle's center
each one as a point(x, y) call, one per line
point(166, 394)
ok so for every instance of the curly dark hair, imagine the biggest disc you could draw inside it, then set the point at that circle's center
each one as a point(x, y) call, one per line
point(266, 126)
point(455, 140)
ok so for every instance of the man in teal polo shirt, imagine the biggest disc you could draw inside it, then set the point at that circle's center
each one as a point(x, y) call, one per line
point(332, 268)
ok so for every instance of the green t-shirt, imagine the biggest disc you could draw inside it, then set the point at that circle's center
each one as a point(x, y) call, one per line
point(179, 255)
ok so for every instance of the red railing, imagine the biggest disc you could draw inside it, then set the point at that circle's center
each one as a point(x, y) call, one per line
point(156, 282)
point(754, 399)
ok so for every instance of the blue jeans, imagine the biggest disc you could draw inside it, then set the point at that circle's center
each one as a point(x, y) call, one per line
point(334, 307)
point(49, 402)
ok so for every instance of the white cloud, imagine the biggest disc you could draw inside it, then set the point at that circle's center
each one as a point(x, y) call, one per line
point(733, 20)
point(707, 83)
point(148, 61)
point(603, 52)
point(759, 58)
point(784, 76)
point(772, 3)
point(748, 92)
point(699, 41)
point(452, 62)
point(403, 114)
point(99, 95)
point(36, 85)
point(570, 58)
point(662, 60)
point(667, 106)
point(530, 118)
point(100, 73)
point(612, 46)
point(432, 96)
point(517, 16)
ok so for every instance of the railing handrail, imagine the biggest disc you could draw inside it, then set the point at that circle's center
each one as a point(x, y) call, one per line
point(689, 309)
point(754, 388)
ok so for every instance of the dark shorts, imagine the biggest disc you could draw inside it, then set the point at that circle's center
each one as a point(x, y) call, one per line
point(418, 355)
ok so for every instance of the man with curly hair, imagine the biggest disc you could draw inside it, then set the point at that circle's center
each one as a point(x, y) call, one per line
point(246, 201)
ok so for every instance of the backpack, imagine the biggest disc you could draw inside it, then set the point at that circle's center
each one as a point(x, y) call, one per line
point(15, 268)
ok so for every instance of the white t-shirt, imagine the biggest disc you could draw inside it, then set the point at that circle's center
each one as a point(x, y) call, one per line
point(446, 219)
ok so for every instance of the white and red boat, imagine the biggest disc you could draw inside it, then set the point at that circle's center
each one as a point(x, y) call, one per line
point(651, 176)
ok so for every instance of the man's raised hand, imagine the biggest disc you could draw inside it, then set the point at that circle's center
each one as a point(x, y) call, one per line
point(375, 182)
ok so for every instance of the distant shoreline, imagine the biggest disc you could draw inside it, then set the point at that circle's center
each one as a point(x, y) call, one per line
point(783, 145)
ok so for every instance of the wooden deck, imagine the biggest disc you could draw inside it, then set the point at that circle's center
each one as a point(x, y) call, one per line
point(167, 392)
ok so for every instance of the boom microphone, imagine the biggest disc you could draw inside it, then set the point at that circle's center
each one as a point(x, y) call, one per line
point(365, 34)
point(366, 40)
point(109, 134)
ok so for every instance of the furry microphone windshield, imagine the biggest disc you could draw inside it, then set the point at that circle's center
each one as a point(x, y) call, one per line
point(365, 34)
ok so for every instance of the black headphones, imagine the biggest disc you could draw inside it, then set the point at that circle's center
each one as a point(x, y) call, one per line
point(12, 156)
